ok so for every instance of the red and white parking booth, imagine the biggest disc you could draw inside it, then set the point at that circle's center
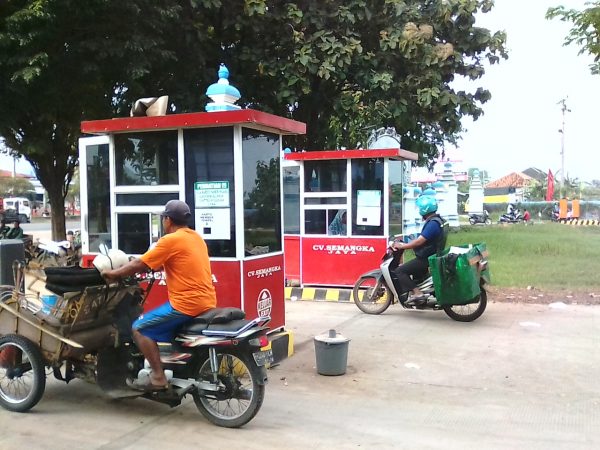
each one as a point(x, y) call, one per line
point(225, 165)
point(320, 188)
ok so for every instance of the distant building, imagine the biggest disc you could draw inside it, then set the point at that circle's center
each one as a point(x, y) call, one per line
point(512, 188)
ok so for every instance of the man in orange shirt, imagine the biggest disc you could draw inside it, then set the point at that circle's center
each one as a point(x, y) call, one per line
point(183, 255)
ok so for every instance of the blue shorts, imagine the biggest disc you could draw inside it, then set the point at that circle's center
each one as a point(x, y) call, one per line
point(160, 323)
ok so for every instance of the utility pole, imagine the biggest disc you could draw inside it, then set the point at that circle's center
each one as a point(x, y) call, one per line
point(564, 110)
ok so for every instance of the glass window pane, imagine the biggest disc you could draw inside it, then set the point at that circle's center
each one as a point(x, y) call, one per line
point(325, 176)
point(291, 200)
point(146, 199)
point(98, 196)
point(134, 233)
point(146, 159)
point(315, 221)
point(262, 200)
point(367, 175)
point(396, 195)
point(325, 201)
point(337, 222)
point(209, 157)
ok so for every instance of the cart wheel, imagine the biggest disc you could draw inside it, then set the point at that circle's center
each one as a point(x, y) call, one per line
point(22, 377)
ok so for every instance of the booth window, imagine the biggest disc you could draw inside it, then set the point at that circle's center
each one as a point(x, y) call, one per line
point(133, 232)
point(146, 159)
point(367, 195)
point(149, 199)
point(98, 196)
point(395, 170)
point(209, 157)
point(325, 221)
point(291, 200)
point(262, 194)
point(325, 176)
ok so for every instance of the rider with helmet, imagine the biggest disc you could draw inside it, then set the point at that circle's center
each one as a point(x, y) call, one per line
point(425, 245)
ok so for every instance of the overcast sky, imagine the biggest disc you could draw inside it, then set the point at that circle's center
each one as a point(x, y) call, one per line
point(520, 126)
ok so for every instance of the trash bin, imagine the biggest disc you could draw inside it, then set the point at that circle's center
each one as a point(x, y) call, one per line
point(331, 351)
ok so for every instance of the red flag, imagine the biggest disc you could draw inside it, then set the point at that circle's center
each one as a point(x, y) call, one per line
point(550, 187)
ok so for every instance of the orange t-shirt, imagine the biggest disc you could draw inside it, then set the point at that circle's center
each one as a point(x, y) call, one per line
point(184, 257)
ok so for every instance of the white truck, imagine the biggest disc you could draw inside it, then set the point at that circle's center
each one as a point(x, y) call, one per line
point(13, 208)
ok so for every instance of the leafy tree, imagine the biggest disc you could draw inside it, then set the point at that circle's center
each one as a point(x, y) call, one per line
point(339, 66)
point(63, 61)
point(16, 187)
point(342, 66)
point(586, 29)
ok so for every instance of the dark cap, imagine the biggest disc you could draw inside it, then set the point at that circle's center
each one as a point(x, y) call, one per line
point(177, 210)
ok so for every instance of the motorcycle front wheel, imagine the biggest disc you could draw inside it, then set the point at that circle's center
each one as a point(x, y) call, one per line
point(371, 295)
point(469, 312)
point(240, 395)
point(22, 376)
point(488, 222)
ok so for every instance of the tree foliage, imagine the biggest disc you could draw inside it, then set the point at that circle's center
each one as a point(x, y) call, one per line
point(339, 66)
point(585, 32)
point(16, 187)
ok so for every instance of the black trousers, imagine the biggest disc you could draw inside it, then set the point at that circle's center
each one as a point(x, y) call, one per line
point(403, 282)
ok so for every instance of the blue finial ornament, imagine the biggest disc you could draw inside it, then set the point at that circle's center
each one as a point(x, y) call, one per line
point(222, 94)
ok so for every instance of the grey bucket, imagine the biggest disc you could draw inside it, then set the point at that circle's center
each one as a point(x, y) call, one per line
point(331, 351)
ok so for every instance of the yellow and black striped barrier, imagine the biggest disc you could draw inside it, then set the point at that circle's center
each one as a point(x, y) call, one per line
point(318, 294)
point(581, 222)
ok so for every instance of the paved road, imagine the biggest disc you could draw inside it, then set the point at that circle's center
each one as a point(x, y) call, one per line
point(520, 377)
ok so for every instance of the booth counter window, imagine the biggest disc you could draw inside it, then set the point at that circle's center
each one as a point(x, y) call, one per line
point(98, 198)
point(262, 211)
point(367, 180)
point(146, 159)
point(291, 200)
point(208, 156)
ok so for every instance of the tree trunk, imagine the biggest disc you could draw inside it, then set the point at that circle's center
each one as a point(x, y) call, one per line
point(57, 204)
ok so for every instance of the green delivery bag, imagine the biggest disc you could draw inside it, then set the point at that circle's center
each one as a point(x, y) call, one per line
point(455, 273)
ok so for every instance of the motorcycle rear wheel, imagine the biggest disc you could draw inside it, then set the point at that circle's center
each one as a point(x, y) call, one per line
point(469, 312)
point(241, 395)
point(371, 295)
point(22, 376)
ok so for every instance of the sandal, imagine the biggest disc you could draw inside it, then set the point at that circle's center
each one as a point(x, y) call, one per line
point(145, 387)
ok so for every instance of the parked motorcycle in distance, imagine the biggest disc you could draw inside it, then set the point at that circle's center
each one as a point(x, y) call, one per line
point(480, 218)
point(375, 291)
point(515, 217)
point(85, 333)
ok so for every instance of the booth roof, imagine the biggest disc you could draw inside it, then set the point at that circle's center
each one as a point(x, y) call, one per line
point(268, 122)
point(392, 153)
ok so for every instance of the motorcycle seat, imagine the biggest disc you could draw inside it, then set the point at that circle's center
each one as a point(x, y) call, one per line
point(215, 319)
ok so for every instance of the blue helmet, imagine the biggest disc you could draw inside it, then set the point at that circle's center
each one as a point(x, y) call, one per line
point(427, 204)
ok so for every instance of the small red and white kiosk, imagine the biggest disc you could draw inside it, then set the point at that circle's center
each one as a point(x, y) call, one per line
point(340, 207)
point(225, 164)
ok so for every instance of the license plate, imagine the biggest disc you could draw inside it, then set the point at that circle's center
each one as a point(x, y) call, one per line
point(263, 357)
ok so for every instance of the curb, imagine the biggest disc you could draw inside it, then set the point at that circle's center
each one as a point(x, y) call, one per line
point(318, 294)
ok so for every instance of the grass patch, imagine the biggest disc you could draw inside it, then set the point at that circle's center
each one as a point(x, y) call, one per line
point(547, 256)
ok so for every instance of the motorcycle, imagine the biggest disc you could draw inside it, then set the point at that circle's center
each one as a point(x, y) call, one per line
point(375, 291)
point(515, 217)
point(84, 332)
point(480, 218)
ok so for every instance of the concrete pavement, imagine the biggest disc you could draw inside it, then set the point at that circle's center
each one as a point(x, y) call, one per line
point(521, 376)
